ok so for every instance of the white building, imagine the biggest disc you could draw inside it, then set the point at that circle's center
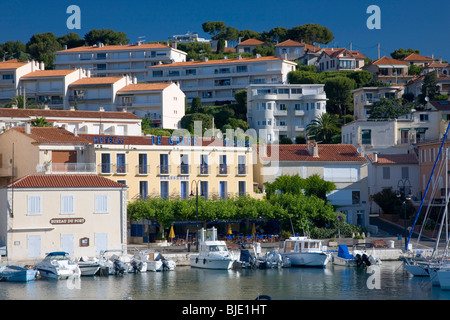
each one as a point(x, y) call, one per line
point(118, 60)
point(340, 59)
point(162, 103)
point(284, 110)
point(293, 49)
point(189, 37)
point(10, 73)
point(363, 98)
point(78, 214)
point(216, 81)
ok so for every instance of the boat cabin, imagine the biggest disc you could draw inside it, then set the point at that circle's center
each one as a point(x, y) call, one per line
point(302, 244)
point(208, 241)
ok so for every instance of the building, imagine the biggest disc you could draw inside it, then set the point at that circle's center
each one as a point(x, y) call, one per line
point(363, 98)
point(338, 163)
point(216, 81)
point(118, 60)
point(437, 66)
point(188, 37)
point(418, 60)
point(340, 59)
point(415, 85)
point(50, 87)
point(283, 110)
point(78, 214)
point(249, 45)
point(10, 73)
point(166, 167)
point(162, 103)
point(89, 122)
point(389, 70)
point(293, 50)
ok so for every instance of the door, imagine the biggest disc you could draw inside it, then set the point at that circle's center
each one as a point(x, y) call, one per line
point(67, 243)
point(34, 246)
point(101, 242)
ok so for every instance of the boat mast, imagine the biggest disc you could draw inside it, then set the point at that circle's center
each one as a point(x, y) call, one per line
point(426, 189)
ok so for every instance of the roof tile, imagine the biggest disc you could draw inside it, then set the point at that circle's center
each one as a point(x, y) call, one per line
point(65, 181)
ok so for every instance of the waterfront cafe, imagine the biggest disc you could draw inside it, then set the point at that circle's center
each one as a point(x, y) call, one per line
point(172, 167)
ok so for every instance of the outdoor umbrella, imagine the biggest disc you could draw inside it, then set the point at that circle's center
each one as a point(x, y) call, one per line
point(171, 233)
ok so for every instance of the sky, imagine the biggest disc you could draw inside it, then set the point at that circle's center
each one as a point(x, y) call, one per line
point(416, 24)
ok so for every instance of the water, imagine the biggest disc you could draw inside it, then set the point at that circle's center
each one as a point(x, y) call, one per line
point(390, 282)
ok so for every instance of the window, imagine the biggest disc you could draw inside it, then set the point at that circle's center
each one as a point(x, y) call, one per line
point(356, 196)
point(8, 77)
point(366, 136)
point(283, 106)
point(101, 66)
point(204, 168)
point(101, 56)
point(157, 74)
point(184, 189)
point(143, 189)
point(241, 188)
point(241, 68)
point(222, 82)
point(404, 136)
point(163, 163)
point(296, 90)
point(423, 117)
point(101, 203)
point(34, 205)
point(386, 173)
point(223, 192)
point(124, 182)
point(241, 165)
point(184, 164)
point(174, 73)
point(67, 204)
point(283, 91)
point(164, 189)
point(191, 72)
point(204, 189)
point(121, 166)
point(223, 168)
point(405, 172)
point(106, 163)
point(143, 167)
point(298, 106)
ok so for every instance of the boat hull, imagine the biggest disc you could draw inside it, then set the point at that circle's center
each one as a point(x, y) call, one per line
point(307, 259)
point(211, 263)
point(417, 270)
point(89, 270)
point(18, 275)
point(343, 262)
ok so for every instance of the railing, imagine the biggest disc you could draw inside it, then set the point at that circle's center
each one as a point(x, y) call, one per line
point(121, 168)
point(164, 169)
point(278, 112)
point(184, 169)
point(203, 170)
point(299, 112)
point(105, 168)
point(67, 168)
point(241, 169)
point(142, 169)
point(223, 169)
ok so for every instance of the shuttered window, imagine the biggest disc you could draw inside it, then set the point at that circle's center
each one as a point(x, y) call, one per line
point(101, 203)
point(67, 204)
point(34, 205)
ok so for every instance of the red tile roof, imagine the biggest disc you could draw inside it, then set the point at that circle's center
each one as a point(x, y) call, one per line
point(213, 62)
point(11, 64)
point(417, 57)
point(335, 52)
point(49, 73)
point(145, 87)
point(95, 80)
point(389, 61)
point(21, 113)
point(65, 181)
point(407, 158)
point(53, 135)
point(252, 42)
point(118, 47)
point(299, 152)
point(292, 43)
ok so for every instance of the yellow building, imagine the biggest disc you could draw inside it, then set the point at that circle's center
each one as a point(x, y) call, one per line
point(167, 167)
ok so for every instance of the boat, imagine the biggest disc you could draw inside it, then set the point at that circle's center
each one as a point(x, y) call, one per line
point(443, 275)
point(88, 267)
point(58, 265)
point(213, 253)
point(305, 252)
point(14, 273)
point(154, 261)
point(359, 257)
point(118, 263)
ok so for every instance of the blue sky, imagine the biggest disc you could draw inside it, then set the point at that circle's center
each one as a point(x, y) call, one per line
point(422, 25)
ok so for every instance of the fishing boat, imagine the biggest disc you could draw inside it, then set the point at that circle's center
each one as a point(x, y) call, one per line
point(58, 265)
point(14, 273)
point(213, 253)
point(305, 252)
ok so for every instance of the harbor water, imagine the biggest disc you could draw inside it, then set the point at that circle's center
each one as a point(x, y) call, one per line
point(390, 281)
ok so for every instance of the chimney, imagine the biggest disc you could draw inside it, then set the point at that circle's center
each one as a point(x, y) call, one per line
point(284, 56)
point(46, 107)
point(258, 56)
point(42, 66)
point(88, 73)
point(205, 59)
point(65, 47)
point(101, 109)
point(28, 128)
point(375, 157)
point(75, 132)
point(134, 80)
point(313, 149)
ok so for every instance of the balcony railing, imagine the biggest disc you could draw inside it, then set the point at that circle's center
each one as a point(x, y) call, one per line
point(142, 170)
point(121, 168)
point(164, 169)
point(105, 168)
point(223, 169)
point(278, 112)
point(184, 169)
point(241, 169)
point(203, 170)
point(67, 168)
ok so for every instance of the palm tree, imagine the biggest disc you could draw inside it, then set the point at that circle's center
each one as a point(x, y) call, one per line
point(324, 128)
point(18, 101)
point(40, 122)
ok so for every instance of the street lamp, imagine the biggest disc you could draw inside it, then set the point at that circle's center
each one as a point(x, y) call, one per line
point(196, 182)
point(404, 193)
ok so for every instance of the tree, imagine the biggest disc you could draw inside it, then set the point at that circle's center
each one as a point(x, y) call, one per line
point(71, 40)
point(402, 53)
point(19, 103)
point(316, 186)
point(105, 36)
point(13, 50)
point(310, 33)
point(278, 34)
point(196, 105)
point(292, 184)
point(429, 87)
point(285, 140)
point(42, 47)
point(214, 28)
point(188, 121)
point(324, 128)
point(40, 122)
point(264, 51)
point(300, 139)
point(389, 108)
point(338, 90)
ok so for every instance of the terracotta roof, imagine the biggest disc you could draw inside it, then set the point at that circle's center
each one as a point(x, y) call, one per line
point(416, 57)
point(335, 52)
point(438, 65)
point(96, 80)
point(407, 158)
point(289, 43)
point(21, 113)
point(53, 135)
point(212, 62)
point(389, 61)
point(49, 73)
point(252, 42)
point(117, 47)
point(299, 152)
point(65, 181)
point(145, 87)
point(11, 64)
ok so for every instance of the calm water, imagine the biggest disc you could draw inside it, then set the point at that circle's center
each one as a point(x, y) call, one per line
point(331, 283)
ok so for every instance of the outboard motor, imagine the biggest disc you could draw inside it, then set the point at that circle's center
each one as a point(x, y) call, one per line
point(358, 260)
point(366, 260)
point(119, 268)
point(137, 267)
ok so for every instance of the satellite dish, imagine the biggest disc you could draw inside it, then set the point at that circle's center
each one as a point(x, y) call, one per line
point(427, 99)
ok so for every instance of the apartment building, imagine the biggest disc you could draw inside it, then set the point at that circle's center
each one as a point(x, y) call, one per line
point(118, 60)
point(283, 110)
point(340, 59)
point(363, 98)
point(162, 103)
point(216, 81)
point(78, 214)
point(51, 87)
point(88, 122)
point(414, 86)
point(340, 164)
point(389, 70)
point(418, 60)
point(10, 73)
point(293, 50)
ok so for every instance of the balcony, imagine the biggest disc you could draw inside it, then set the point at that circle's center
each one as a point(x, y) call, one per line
point(142, 170)
point(164, 169)
point(105, 168)
point(121, 168)
point(223, 170)
point(299, 112)
point(299, 128)
point(281, 128)
point(184, 169)
point(203, 170)
point(66, 168)
point(241, 170)
point(278, 112)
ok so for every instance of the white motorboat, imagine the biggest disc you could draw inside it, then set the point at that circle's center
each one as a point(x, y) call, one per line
point(305, 252)
point(115, 264)
point(154, 261)
point(213, 254)
point(360, 256)
point(58, 265)
point(88, 267)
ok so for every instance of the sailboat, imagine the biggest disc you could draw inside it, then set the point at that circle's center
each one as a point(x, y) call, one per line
point(420, 264)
